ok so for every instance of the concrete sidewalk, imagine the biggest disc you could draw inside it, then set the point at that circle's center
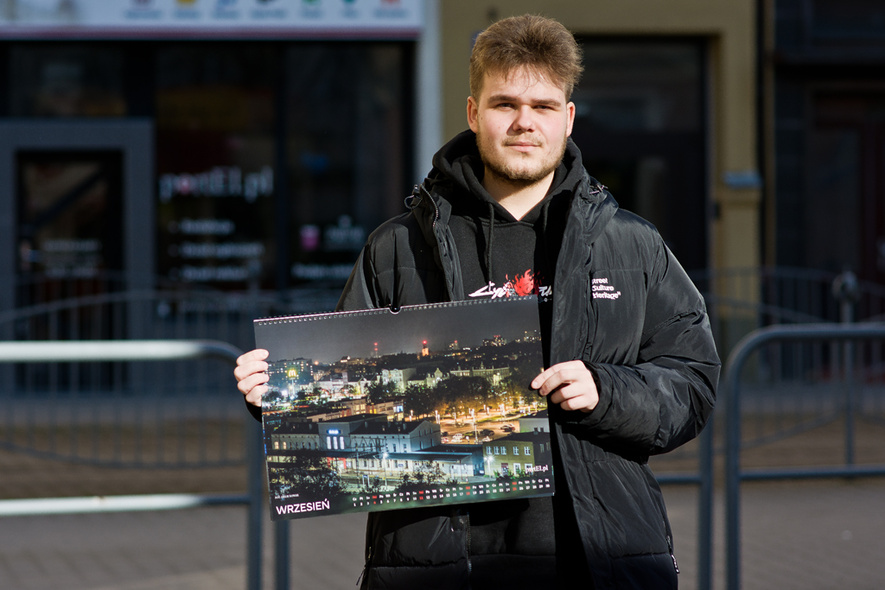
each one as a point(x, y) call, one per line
point(811, 535)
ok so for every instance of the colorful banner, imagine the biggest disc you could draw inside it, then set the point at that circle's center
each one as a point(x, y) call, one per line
point(211, 18)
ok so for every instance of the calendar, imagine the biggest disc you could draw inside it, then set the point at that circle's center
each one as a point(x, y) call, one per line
point(387, 409)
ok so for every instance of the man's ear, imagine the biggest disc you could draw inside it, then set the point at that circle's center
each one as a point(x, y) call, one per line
point(472, 113)
point(570, 107)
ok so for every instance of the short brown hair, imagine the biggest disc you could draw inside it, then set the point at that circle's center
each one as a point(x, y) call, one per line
point(541, 44)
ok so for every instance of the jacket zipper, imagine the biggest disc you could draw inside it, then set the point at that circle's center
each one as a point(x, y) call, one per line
point(414, 199)
point(467, 550)
point(672, 554)
point(433, 202)
point(365, 566)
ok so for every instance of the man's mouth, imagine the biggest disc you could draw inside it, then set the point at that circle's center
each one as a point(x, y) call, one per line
point(522, 145)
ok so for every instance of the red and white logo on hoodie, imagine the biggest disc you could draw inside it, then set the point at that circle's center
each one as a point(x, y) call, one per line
point(522, 284)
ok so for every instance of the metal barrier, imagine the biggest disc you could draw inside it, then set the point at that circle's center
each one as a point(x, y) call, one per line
point(157, 318)
point(703, 479)
point(828, 388)
point(786, 295)
point(93, 351)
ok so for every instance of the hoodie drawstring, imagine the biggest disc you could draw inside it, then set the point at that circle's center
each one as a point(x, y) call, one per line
point(542, 239)
point(489, 273)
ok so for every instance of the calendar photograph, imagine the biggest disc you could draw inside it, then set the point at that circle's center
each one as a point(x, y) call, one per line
point(382, 410)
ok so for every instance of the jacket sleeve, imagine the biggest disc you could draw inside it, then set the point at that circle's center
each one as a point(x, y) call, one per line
point(358, 291)
point(664, 399)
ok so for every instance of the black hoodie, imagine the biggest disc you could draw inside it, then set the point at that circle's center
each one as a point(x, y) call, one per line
point(478, 220)
point(499, 255)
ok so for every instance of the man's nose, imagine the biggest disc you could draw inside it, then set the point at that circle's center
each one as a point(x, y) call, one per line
point(525, 120)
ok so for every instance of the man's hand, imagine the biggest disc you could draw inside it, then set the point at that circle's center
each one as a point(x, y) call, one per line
point(569, 384)
point(251, 374)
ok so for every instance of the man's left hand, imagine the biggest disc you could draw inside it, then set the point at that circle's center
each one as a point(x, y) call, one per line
point(569, 384)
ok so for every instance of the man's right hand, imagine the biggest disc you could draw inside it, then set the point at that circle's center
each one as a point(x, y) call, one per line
point(251, 374)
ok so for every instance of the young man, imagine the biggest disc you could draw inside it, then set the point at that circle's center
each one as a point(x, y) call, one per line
point(632, 369)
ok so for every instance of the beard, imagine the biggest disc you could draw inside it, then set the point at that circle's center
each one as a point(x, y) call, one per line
point(518, 169)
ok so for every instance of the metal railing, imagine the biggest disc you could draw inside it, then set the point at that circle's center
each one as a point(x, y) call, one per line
point(804, 377)
point(739, 302)
point(787, 295)
point(81, 390)
point(701, 477)
point(140, 351)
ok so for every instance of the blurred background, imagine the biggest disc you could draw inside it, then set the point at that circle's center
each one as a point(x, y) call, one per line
point(173, 169)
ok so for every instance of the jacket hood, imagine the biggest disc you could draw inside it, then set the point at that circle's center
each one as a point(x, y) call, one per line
point(456, 180)
point(459, 165)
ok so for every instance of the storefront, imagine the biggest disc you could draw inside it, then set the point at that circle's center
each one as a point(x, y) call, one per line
point(253, 144)
point(224, 144)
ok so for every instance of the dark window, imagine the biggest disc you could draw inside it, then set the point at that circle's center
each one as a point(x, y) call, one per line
point(640, 125)
point(346, 110)
point(860, 21)
point(66, 80)
point(216, 167)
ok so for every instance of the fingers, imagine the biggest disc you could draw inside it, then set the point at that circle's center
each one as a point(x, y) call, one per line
point(556, 375)
point(251, 375)
point(253, 387)
point(259, 354)
point(250, 363)
point(569, 385)
point(255, 395)
point(572, 397)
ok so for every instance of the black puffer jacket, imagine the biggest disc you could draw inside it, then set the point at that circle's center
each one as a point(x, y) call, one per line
point(623, 305)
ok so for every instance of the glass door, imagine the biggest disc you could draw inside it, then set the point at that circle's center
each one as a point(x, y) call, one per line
point(76, 223)
point(844, 212)
point(70, 245)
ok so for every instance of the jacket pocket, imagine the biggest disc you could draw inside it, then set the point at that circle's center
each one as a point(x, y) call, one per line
point(417, 537)
point(645, 571)
point(632, 513)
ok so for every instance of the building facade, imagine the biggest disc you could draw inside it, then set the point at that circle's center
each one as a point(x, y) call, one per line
point(246, 145)
point(537, 422)
point(232, 143)
point(373, 444)
point(222, 144)
point(517, 455)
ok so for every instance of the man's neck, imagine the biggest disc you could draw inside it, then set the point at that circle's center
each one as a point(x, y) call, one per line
point(518, 199)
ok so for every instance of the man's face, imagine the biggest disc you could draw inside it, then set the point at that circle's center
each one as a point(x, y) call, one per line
point(522, 122)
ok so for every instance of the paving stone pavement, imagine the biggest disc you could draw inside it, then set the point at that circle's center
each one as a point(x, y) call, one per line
point(808, 535)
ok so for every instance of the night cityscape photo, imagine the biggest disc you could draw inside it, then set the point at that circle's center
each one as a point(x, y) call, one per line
point(375, 410)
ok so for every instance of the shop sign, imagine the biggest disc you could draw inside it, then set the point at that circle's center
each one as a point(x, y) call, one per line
point(210, 231)
point(221, 181)
point(212, 18)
